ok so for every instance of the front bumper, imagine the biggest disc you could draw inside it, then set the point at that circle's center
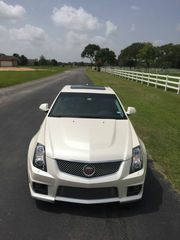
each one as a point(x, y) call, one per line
point(122, 181)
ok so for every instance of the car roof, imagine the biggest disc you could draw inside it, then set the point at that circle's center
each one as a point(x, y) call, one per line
point(87, 89)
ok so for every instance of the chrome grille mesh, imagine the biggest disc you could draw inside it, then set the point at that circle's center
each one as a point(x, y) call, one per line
point(76, 168)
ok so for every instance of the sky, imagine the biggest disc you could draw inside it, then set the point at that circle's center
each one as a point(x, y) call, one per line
point(61, 29)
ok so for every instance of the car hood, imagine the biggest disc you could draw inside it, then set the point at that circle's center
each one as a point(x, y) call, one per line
point(88, 139)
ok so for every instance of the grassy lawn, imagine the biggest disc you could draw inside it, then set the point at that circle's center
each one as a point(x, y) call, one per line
point(157, 120)
point(9, 78)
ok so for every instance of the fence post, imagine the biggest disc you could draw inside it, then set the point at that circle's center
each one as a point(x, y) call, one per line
point(148, 79)
point(178, 87)
point(142, 78)
point(130, 76)
point(166, 82)
point(156, 81)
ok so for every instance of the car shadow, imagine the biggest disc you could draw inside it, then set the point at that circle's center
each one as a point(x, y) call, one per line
point(151, 202)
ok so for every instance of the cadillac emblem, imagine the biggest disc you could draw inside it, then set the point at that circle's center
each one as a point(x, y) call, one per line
point(88, 170)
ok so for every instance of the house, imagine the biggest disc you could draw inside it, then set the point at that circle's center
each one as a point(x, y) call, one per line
point(8, 61)
point(31, 62)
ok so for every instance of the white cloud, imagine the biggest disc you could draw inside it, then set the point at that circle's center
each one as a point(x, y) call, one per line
point(178, 27)
point(158, 42)
point(133, 27)
point(110, 28)
point(135, 8)
point(10, 12)
point(75, 39)
point(4, 36)
point(2, 28)
point(28, 34)
point(99, 40)
point(74, 19)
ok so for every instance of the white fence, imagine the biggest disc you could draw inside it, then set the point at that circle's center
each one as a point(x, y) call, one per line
point(154, 70)
point(165, 81)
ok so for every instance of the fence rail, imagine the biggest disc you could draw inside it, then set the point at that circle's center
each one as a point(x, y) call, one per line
point(164, 71)
point(165, 81)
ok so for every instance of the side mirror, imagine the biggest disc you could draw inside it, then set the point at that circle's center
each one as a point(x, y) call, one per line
point(44, 107)
point(131, 110)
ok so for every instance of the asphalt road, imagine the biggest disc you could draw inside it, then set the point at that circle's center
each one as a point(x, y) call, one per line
point(157, 216)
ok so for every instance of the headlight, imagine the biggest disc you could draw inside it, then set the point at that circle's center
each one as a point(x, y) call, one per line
point(136, 163)
point(39, 160)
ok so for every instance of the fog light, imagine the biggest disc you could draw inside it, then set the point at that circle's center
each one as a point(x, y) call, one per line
point(40, 188)
point(134, 190)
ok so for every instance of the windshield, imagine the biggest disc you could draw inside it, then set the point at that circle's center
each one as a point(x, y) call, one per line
point(87, 105)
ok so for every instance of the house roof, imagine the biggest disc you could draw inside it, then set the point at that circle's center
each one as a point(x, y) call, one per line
point(4, 57)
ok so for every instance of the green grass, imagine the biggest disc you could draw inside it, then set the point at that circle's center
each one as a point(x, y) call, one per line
point(157, 120)
point(9, 78)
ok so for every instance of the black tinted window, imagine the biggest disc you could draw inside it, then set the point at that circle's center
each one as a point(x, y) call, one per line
point(87, 105)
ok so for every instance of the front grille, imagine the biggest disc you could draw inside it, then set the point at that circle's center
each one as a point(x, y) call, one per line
point(87, 193)
point(77, 168)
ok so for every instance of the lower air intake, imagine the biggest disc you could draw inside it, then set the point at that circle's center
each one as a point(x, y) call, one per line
point(87, 193)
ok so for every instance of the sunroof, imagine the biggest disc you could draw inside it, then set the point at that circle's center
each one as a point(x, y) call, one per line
point(87, 87)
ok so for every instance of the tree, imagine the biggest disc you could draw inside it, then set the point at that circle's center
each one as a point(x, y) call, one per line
point(128, 56)
point(90, 52)
point(18, 57)
point(43, 61)
point(23, 60)
point(36, 62)
point(105, 57)
point(53, 62)
point(169, 56)
point(148, 55)
point(177, 56)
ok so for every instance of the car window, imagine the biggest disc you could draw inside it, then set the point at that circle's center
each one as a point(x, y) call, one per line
point(87, 105)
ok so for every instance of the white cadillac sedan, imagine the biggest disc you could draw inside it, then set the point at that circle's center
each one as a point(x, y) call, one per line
point(86, 150)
